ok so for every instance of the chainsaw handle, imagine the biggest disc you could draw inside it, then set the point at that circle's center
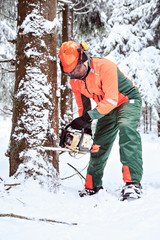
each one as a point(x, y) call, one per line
point(80, 142)
point(63, 135)
point(68, 126)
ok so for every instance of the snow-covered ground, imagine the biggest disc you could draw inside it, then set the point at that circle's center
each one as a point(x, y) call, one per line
point(101, 216)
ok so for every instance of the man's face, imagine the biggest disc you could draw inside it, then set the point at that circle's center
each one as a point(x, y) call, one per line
point(80, 71)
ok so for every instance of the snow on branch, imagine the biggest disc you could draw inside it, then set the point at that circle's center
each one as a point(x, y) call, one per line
point(82, 8)
point(12, 61)
point(65, 1)
point(14, 19)
point(80, 13)
point(7, 70)
point(5, 112)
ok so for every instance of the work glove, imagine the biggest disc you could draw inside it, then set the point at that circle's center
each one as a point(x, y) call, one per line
point(81, 122)
point(88, 131)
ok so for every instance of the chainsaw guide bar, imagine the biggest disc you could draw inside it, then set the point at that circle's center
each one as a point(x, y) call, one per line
point(56, 149)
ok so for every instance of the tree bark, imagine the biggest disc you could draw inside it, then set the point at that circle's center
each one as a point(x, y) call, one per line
point(35, 105)
point(158, 125)
point(66, 93)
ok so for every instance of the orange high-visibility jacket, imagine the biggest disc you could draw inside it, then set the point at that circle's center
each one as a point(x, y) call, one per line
point(106, 85)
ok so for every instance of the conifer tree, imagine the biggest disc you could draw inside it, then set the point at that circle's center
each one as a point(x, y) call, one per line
point(66, 93)
point(35, 105)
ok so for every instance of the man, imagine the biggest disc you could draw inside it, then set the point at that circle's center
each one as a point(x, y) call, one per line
point(118, 108)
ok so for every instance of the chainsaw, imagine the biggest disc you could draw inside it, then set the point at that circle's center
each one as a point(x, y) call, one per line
point(73, 141)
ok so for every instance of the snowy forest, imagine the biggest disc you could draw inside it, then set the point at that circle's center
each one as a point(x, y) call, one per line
point(36, 102)
point(126, 32)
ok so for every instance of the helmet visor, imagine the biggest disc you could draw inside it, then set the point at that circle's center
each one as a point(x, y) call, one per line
point(79, 72)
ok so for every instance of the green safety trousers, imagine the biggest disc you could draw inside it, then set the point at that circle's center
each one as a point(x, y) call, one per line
point(124, 118)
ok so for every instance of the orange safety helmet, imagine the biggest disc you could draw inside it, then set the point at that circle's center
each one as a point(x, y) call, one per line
point(70, 54)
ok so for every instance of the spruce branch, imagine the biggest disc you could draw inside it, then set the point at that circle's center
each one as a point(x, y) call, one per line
point(12, 61)
point(5, 112)
point(14, 19)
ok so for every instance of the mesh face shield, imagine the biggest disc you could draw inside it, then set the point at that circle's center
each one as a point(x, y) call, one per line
point(79, 72)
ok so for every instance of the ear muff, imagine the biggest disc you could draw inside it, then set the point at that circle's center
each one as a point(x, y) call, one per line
point(61, 66)
point(82, 55)
point(80, 51)
point(84, 46)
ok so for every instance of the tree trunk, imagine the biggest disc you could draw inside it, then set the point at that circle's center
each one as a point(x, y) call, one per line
point(150, 118)
point(66, 93)
point(35, 105)
point(158, 125)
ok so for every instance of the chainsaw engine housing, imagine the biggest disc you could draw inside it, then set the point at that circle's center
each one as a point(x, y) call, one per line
point(76, 141)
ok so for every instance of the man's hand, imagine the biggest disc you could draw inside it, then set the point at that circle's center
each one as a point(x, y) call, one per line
point(81, 122)
point(88, 131)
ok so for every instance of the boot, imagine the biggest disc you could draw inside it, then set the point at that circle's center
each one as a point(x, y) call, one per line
point(131, 191)
point(89, 192)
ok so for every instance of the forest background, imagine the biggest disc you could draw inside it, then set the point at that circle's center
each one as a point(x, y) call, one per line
point(39, 98)
point(126, 32)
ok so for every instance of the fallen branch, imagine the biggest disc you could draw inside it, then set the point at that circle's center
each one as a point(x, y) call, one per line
point(35, 219)
point(74, 173)
point(76, 170)
point(7, 60)
point(11, 184)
